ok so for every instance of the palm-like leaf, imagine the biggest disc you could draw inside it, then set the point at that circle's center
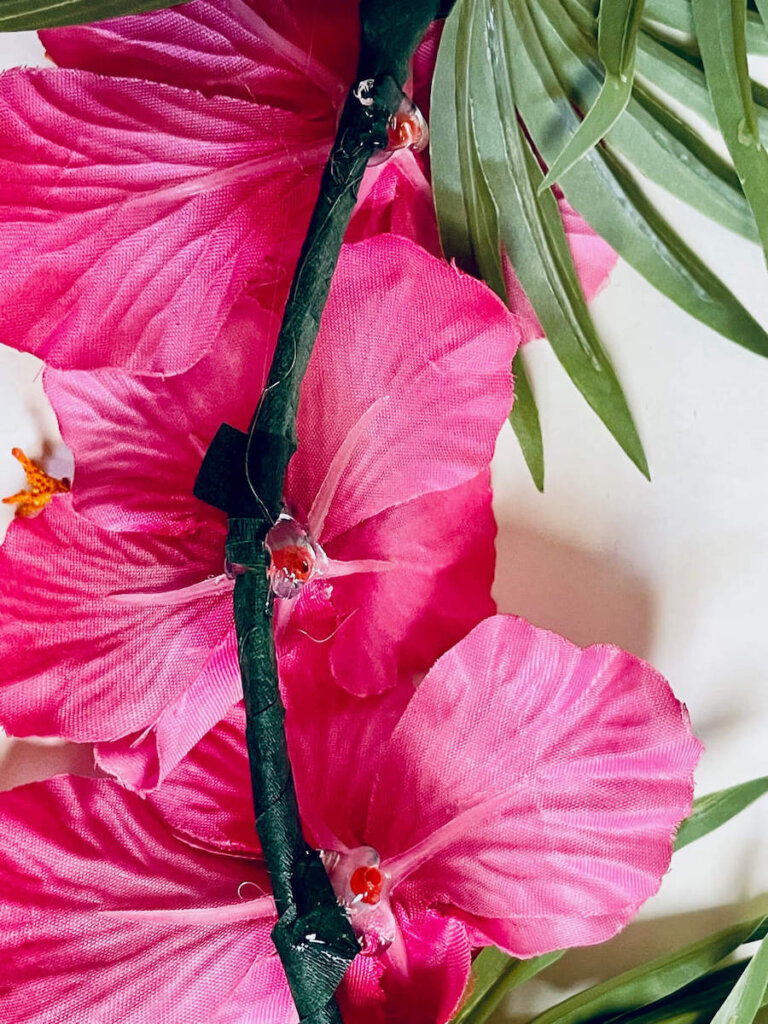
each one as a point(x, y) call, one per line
point(22, 15)
point(525, 67)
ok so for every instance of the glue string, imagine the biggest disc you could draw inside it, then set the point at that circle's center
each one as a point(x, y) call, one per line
point(325, 639)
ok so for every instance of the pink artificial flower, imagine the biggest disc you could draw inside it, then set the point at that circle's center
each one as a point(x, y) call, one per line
point(537, 788)
point(106, 916)
point(136, 213)
point(119, 619)
point(167, 170)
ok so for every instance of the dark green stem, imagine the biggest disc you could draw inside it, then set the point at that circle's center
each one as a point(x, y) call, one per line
point(244, 475)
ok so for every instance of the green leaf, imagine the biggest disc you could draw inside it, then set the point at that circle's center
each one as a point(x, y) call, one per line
point(494, 974)
point(21, 15)
point(713, 810)
point(618, 25)
point(531, 228)
point(649, 135)
point(603, 192)
point(720, 30)
point(762, 6)
point(696, 1003)
point(653, 980)
point(748, 994)
point(451, 208)
point(525, 422)
point(679, 74)
point(677, 15)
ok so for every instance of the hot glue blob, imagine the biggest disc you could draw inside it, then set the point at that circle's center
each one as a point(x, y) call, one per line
point(407, 128)
point(362, 888)
point(294, 557)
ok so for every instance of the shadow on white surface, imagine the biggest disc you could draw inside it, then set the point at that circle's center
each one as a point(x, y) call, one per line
point(585, 595)
point(33, 760)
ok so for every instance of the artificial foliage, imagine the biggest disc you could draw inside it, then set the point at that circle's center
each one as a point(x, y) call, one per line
point(513, 77)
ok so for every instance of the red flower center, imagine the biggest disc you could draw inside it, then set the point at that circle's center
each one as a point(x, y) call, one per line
point(367, 882)
point(294, 561)
point(404, 130)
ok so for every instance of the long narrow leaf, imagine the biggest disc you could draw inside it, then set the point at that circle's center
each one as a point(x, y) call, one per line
point(714, 809)
point(21, 15)
point(653, 980)
point(448, 194)
point(525, 422)
point(762, 6)
point(532, 231)
point(748, 994)
point(650, 136)
point(696, 1003)
point(677, 15)
point(604, 193)
point(494, 975)
point(466, 216)
point(679, 74)
point(672, 69)
point(618, 25)
point(720, 30)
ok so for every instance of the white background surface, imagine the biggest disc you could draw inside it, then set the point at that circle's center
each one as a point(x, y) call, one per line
point(676, 570)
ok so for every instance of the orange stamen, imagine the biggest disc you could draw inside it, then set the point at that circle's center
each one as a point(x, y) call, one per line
point(40, 488)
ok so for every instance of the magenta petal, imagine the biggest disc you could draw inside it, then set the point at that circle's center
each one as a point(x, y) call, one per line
point(360, 997)
point(387, 628)
point(427, 968)
point(396, 198)
point(254, 49)
point(207, 798)
point(97, 639)
point(418, 406)
point(536, 782)
point(105, 916)
point(138, 441)
point(134, 215)
point(142, 762)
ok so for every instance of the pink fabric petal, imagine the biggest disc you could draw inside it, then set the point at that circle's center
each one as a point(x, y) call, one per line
point(396, 198)
point(135, 215)
point(139, 441)
point(207, 798)
point(426, 969)
point(142, 762)
point(335, 742)
point(360, 996)
point(446, 396)
point(105, 916)
point(536, 782)
point(278, 53)
point(78, 658)
point(385, 629)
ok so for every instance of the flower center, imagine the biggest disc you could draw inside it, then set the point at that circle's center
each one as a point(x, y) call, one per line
point(294, 557)
point(362, 888)
point(366, 883)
